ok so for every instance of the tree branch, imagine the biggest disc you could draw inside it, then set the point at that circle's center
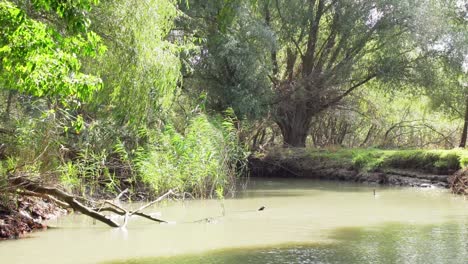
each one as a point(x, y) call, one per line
point(348, 91)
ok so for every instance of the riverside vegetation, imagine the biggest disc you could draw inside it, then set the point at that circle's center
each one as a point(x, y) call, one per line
point(98, 97)
point(422, 168)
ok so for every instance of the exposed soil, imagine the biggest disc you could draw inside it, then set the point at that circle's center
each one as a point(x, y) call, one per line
point(25, 214)
point(305, 166)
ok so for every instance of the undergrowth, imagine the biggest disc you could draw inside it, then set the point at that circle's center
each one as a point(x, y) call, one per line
point(204, 160)
point(436, 161)
point(371, 159)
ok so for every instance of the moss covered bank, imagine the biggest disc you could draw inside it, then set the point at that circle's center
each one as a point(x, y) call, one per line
point(418, 168)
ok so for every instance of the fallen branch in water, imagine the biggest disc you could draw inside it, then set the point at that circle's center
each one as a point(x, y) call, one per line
point(117, 209)
point(162, 197)
point(27, 187)
point(45, 196)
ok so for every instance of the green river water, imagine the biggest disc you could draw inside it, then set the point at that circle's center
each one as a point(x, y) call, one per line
point(304, 222)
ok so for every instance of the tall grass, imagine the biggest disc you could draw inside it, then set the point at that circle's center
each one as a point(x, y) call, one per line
point(205, 160)
point(89, 172)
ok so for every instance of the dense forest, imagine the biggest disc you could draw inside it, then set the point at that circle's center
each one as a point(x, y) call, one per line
point(151, 95)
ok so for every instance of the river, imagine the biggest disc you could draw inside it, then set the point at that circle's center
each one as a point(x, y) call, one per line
point(304, 221)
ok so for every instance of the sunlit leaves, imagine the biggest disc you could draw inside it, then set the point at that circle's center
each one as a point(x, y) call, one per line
point(202, 161)
point(37, 60)
point(73, 12)
point(142, 68)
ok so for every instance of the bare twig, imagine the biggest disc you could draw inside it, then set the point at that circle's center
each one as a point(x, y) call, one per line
point(162, 197)
point(121, 194)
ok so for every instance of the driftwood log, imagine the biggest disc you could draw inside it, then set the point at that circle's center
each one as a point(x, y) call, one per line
point(459, 182)
point(25, 186)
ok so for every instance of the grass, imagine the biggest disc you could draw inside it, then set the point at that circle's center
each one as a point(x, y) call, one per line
point(437, 161)
point(430, 161)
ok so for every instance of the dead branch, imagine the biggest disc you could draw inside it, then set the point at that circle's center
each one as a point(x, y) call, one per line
point(45, 196)
point(31, 188)
point(121, 194)
point(122, 212)
point(62, 196)
point(162, 197)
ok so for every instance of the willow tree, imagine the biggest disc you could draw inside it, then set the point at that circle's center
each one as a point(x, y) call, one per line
point(231, 66)
point(142, 68)
point(327, 49)
point(451, 91)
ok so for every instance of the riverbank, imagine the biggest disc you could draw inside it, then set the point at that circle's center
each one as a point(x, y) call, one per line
point(417, 168)
point(25, 215)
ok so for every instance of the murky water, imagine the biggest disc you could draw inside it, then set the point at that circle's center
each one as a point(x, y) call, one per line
point(304, 222)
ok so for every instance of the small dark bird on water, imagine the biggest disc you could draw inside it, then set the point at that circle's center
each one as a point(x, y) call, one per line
point(261, 208)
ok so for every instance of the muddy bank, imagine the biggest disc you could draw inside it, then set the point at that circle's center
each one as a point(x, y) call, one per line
point(299, 164)
point(23, 215)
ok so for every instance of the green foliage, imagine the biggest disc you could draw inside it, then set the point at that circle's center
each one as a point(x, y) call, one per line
point(202, 161)
point(73, 12)
point(423, 160)
point(3, 177)
point(37, 60)
point(231, 66)
point(69, 175)
point(367, 161)
point(89, 173)
point(114, 121)
point(374, 118)
point(142, 68)
point(464, 161)
point(90, 133)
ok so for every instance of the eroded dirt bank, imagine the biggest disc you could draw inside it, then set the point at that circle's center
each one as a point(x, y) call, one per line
point(24, 215)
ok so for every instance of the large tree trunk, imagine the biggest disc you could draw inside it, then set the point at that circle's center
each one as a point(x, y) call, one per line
point(465, 127)
point(294, 124)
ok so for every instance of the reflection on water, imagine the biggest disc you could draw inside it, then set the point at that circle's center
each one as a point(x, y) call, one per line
point(304, 222)
point(389, 243)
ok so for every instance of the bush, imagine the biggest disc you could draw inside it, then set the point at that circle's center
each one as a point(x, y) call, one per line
point(203, 161)
point(90, 172)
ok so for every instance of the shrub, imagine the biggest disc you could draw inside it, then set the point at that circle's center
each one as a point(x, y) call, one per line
point(88, 173)
point(203, 161)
